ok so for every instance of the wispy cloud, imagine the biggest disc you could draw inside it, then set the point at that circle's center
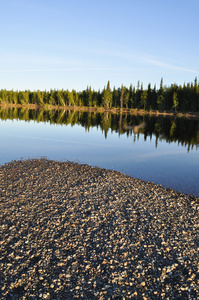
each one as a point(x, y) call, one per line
point(159, 154)
point(169, 66)
point(142, 58)
point(89, 59)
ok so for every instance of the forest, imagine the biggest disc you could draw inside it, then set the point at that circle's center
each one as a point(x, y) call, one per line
point(175, 98)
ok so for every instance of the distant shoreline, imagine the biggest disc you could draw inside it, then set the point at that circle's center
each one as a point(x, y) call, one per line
point(189, 115)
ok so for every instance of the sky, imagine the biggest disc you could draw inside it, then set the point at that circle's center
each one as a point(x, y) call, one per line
point(64, 44)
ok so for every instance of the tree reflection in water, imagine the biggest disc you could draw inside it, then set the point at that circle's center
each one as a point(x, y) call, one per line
point(171, 129)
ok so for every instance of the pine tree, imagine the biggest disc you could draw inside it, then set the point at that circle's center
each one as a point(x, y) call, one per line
point(89, 96)
point(149, 97)
point(144, 99)
point(60, 98)
point(122, 97)
point(175, 101)
point(107, 96)
point(4, 96)
point(131, 96)
point(160, 98)
point(126, 97)
point(115, 97)
point(137, 95)
point(40, 97)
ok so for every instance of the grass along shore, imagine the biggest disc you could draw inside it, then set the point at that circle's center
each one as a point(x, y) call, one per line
point(192, 115)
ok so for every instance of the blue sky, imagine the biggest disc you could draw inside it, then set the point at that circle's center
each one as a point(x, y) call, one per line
point(59, 44)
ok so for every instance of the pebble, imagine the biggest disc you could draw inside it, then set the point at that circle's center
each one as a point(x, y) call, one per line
point(72, 231)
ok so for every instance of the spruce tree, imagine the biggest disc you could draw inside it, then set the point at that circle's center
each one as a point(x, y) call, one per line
point(107, 96)
point(175, 101)
point(160, 98)
point(122, 97)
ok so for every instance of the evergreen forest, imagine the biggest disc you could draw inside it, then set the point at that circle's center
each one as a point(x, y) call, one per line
point(175, 98)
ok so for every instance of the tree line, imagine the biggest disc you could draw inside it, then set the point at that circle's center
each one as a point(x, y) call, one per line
point(173, 98)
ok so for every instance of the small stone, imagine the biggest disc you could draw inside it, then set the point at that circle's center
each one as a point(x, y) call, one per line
point(142, 283)
point(93, 232)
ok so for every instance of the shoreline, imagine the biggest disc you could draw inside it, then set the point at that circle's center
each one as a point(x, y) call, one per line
point(78, 163)
point(73, 231)
point(191, 115)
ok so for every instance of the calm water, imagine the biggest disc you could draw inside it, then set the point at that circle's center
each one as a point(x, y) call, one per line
point(150, 149)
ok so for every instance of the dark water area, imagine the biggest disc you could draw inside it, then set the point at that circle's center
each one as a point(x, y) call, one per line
point(163, 150)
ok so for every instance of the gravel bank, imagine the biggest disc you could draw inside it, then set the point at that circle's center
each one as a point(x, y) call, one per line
point(72, 231)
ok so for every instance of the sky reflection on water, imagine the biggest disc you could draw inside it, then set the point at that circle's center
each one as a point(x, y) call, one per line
point(169, 164)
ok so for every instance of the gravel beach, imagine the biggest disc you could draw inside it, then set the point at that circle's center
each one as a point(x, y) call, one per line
point(72, 231)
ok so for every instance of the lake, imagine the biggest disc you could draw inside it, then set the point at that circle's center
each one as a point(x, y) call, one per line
point(163, 150)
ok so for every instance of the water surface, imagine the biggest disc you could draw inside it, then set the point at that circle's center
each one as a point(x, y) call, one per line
point(164, 151)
